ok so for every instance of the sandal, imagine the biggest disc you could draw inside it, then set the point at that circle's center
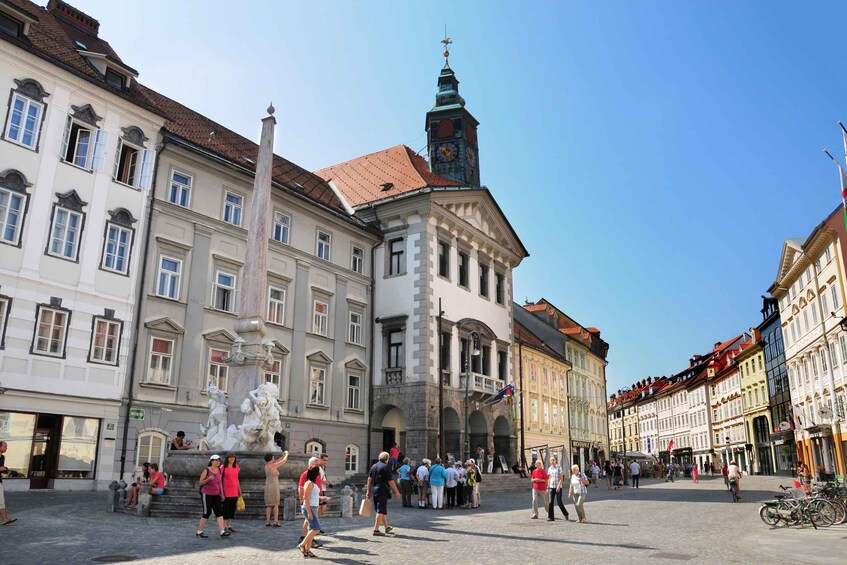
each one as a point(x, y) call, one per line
point(267, 524)
point(303, 550)
point(276, 525)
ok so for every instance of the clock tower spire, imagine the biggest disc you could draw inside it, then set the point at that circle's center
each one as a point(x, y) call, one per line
point(451, 130)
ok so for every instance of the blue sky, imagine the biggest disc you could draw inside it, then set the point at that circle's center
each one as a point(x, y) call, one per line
point(652, 156)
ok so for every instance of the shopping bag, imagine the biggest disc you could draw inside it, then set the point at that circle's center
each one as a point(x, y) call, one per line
point(365, 508)
point(239, 505)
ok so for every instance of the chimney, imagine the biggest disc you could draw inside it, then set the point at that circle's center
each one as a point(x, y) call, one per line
point(68, 13)
point(717, 344)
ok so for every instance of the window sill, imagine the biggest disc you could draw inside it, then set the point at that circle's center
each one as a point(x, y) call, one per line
point(353, 343)
point(318, 406)
point(465, 288)
point(165, 298)
point(75, 166)
point(19, 144)
point(324, 336)
point(160, 386)
point(47, 354)
point(63, 258)
point(444, 277)
point(394, 275)
point(357, 411)
point(114, 272)
point(121, 183)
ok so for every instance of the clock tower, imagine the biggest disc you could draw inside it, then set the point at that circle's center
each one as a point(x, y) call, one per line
point(451, 131)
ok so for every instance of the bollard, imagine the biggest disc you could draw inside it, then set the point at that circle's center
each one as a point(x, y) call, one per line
point(114, 496)
point(290, 504)
point(145, 497)
point(347, 505)
point(123, 485)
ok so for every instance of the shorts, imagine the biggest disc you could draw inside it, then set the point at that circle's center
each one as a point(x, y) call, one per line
point(2, 498)
point(381, 504)
point(212, 503)
point(314, 523)
point(159, 491)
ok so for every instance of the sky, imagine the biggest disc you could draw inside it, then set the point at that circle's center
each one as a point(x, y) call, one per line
point(652, 156)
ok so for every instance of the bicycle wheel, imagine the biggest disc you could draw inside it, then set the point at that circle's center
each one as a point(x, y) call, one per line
point(840, 510)
point(822, 512)
point(769, 515)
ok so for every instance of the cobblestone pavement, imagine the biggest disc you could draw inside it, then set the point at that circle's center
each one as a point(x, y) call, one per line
point(659, 522)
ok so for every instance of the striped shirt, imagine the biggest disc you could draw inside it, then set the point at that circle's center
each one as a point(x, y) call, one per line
point(577, 485)
point(554, 473)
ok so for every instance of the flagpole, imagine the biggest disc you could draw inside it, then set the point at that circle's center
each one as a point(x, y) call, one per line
point(842, 174)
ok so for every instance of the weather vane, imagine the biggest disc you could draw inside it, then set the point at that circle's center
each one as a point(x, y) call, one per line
point(447, 42)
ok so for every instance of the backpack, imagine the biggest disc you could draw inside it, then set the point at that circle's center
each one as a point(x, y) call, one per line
point(478, 475)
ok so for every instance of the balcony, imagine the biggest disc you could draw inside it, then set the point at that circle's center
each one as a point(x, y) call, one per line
point(481, 384)
point(394, 376)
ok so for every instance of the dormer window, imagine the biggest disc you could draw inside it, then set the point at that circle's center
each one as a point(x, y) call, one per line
point(116, 79)
point(10, 25)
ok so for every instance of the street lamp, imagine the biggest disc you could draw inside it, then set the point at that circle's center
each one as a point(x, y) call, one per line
point(473, 342)
point(624, 391)
point(727, 449)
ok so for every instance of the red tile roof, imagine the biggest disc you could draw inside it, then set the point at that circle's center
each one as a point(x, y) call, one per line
point(383, 174)
point(528, 338)
point(185, 123)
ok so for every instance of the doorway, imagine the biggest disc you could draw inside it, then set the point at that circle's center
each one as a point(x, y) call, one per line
point(45, 450)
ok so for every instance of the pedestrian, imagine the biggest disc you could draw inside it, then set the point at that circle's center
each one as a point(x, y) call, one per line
point(539, 488)
point(491, 460)
point(480, 456)
point(423, 482)
point(272, 487)
point(460, 486)
point(309, 508)
point(450, 485)
point(405, 483)
point(323, 505)
point(671, 468)
point(231, 487)
point(301, 492)
point(518, 469)
point(210, 494)
point(135, 488)
point(179, 442)
point(4, 470)
point(380, 485)
point(725, 473)
point(595, 474)
point(437, 480)
point(477, 497)
point(470, 483)
point(394, 456)
point(607, 472)
point(733, 473)
point(578, 492)
point(695, 474)
point(617, 473)
point(635, 472)
point(554, 486)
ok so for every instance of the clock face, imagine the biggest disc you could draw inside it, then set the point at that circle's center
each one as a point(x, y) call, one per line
point(471, 154)
point(446, 152)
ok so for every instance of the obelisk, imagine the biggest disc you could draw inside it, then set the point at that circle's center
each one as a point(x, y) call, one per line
point(249, 367)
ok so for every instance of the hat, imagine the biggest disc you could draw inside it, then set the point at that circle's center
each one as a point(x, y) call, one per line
point(215, 456)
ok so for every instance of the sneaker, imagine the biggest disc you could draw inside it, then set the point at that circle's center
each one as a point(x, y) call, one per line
point(225, 534)
point(551, 519)
point(378, 533)
point(390, 529)
point(201, 535)
point(230, 529)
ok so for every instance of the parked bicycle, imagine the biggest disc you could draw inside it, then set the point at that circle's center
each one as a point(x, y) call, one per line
point(798, 509)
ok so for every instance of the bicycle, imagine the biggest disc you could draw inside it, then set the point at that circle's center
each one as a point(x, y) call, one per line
point(733, 488)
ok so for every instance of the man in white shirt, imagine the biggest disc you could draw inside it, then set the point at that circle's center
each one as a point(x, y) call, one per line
point(423, 483)
point(734, 473)
point(635, 471)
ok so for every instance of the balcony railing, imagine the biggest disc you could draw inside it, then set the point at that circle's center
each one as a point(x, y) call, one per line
point(394, 376)
point(481, 383)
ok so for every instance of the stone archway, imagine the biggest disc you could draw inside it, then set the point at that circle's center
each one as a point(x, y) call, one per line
point(503, 441)
point(452, 434)
point(389, 427)
point(478, 433)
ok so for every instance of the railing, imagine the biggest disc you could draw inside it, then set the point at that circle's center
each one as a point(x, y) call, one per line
point(446, 377)
point(394, 376)
point(482, 383)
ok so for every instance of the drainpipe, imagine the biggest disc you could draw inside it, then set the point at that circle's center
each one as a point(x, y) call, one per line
point(520, 377)
point(141, 285)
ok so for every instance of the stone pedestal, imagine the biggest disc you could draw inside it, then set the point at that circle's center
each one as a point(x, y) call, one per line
point(185, 468)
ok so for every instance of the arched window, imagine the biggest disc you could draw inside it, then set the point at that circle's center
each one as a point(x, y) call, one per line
point(351, 459)
point(151, 448)
point(315, 447)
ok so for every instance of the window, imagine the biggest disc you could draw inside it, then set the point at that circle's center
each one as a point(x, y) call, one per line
point(355, 334)
point(115, 79)
point(357, 261)
point(24, 121)
point(833, 354)
point(218, 370)
point(395, 349)
point(444, 259)
point(500, 289)
point(834, 292)
point(84, 145)
point(11, 210)
point(151, 448)
point(446, 339)
point(169, 275)
point(321, 317)
point(116, 250)
point(4, 315)
point(324, 246)
point(276, 305)
point(161, 361)
point(314, 447)
point(824, 304)
point(396, 265)
point(463, 269)
point(127, 170)
point(351, 459)
point(533, 410)
point(317, 384)
point(105, 341)
point(64, 241)
point(180, 193)
point(223, 296)
point(354, 392)
point(232, 208)
point(274, 375)
point(10, 25)
point(282, 227)
point(50, 331)
point(483, 280)
point(546, 413)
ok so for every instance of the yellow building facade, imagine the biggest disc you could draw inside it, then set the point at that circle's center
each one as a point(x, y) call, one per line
point(756, 407)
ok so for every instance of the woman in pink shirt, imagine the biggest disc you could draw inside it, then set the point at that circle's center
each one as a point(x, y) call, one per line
point(157, 480)
point(231, 488)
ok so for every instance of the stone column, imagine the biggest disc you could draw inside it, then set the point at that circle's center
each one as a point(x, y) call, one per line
point(250, 326)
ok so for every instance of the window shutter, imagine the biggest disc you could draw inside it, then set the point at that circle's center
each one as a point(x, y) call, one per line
point(149, 157)
point(101, 140)
point(66, 139)
point(117, 158)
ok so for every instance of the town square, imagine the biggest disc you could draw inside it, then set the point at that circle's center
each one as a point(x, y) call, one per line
point(367, 281)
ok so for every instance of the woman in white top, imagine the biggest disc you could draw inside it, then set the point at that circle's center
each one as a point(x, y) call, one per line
point(577, 492)
point(311, 500)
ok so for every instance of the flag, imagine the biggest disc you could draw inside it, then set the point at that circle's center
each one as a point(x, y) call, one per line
point(506, 392)
point(794, 418)
point(670, 446)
